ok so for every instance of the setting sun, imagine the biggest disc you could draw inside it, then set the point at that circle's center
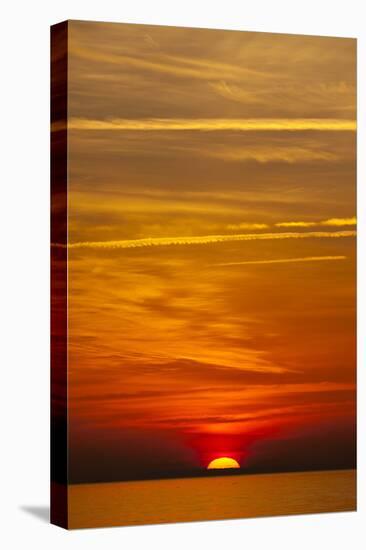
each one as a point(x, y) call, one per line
point(223, 463)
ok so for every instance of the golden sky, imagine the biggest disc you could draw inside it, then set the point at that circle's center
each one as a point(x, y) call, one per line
point(211, 249)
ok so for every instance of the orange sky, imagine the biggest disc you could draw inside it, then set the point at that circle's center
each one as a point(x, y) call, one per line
point(211, 250)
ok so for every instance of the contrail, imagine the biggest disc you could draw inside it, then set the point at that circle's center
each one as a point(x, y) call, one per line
point(285, 260)
point(332, 222)
point(209, 124)
point(205, 239)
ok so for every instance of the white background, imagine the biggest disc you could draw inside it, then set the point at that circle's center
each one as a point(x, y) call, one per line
point(24, 273)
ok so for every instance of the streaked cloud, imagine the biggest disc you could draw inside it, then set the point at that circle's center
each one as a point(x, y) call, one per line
point(207, 239)
point(296, 224)
point(285, 260)
point(274, 153)
point(210, 124)
point(178, 66)
point(246, 225)
point(332, 222)
point(235, 93)
point(339, 221)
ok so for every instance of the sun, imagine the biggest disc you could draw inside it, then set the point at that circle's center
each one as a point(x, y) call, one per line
point(223, 463)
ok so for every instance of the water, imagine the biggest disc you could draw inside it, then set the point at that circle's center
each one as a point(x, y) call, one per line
point(198, 499)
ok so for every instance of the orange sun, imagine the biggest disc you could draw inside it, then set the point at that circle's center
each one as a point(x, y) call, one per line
point(223, 463)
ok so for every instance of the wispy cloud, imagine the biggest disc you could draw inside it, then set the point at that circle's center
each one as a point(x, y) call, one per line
point(210, 124)
point(178, 66)
point(296, 224)
point(339, 221)
point(332, 222)
point(285, 260)
point(272, 153)
point(235, 93)
point(206, 239)
point(246, 225)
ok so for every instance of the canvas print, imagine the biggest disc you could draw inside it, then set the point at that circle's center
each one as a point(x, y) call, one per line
point(203, 249)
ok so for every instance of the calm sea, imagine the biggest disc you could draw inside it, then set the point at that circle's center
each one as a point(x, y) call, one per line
point(195, 499)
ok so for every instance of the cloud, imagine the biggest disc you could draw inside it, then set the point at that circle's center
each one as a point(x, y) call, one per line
point(332, 222)
point(296, 224)
point(244, 225)
point(205, 239)
point(209, 124)
point(340, 221)
point(285, 260)
point(329, 96)
point(177, 66)
point(235, 93)
point(273, 153)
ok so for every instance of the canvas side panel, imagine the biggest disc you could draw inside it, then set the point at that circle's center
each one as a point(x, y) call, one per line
point(59, 451)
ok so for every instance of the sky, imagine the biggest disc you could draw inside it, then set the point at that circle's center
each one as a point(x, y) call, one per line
point(211, 247)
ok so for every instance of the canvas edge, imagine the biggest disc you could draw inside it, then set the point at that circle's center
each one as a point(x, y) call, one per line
point(58, 314)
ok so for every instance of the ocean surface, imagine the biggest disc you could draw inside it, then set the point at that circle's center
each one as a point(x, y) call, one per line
point(210, 498)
